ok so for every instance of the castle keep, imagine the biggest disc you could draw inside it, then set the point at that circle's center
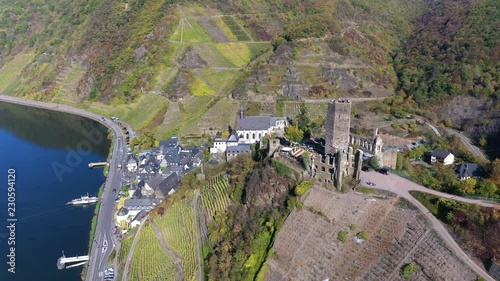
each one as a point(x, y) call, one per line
point(340, 159)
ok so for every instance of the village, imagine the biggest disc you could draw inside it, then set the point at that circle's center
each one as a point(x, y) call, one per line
point(154, 174)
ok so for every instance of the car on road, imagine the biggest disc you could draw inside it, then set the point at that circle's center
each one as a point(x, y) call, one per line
point(114, 189)
point(384, 171)
point(370, 183)
point(366, 169)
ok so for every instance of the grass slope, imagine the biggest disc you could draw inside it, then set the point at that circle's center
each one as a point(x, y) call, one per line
point(190, 31)
point(150, 261)
point(10, 70)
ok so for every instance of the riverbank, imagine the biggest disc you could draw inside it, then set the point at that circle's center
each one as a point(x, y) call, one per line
point(118, 154)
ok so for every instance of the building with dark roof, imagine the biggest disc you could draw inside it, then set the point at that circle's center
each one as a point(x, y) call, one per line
point(140, 204)
point(469, 170)
point(138, 218)
point(251, 129)
point(167, 186)
point(173, 141)
point(233, 151)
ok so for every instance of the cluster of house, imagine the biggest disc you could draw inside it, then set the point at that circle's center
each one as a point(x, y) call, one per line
point(157, 173)
point(464, 171)
point(251, 129)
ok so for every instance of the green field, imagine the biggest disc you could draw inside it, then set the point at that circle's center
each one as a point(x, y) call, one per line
point(179, 228)
point(217, 80)
point(138, 114)
point(170, 124)
point(222, 26)
point(190, 31)
point(164, 78)
point(11, 69)
point(150, 261)
point(214, 196)
point(210, 54)
point(315, 110)
point(198, 87)
point(236, 28)
point(239, 54)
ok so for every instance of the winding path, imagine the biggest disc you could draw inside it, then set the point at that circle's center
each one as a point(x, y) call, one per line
point(402, 187)
point(468, 143)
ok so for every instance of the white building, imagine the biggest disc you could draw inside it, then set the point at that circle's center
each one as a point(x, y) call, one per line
point(251, 129)
point(131, 163)
point(442, 156)
point(218, 146)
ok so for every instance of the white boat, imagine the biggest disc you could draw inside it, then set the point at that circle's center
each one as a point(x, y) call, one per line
point(85, 199)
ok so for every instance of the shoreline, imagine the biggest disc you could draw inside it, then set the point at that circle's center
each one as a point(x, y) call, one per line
point(55, 107)
point(113, 155)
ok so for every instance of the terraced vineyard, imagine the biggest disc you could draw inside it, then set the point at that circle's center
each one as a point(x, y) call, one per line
point(222, 26)
point(150, 261)
point(179, 230)
point(236, 28)
point(214, 196)
point(237, 53)
point(315, 110)
point(198, 87)
point(11, 69)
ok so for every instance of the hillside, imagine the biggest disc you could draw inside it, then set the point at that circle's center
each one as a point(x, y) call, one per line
point(450, 66)
point(167, 66)
point(170, 66)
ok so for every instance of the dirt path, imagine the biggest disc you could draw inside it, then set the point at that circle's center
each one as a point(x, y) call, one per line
point(401, 187)
point(131, 251)
point(175, 257)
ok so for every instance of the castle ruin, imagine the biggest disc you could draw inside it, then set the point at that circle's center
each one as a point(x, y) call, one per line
point(340, 158)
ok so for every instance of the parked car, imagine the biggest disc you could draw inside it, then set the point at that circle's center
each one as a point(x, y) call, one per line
point(384, 171)
point(366, 169)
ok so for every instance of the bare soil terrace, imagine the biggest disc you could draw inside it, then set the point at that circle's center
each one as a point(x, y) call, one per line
point(307, 247)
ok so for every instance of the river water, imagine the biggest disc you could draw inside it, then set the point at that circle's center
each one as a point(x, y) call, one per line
point(49, 153)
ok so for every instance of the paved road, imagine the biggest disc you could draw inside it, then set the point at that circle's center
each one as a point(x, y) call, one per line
point(476, 151)
point(401, 187)
point(103, 239)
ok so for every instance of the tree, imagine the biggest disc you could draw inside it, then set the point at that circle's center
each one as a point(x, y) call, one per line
point(494, 171)
point(342, 236)
point(468, 186)
point(409, 269)
point(362, 235)
point(302, 119)
point(374, 162)
point(293, 133)
point(302, 188)
point(487, 188)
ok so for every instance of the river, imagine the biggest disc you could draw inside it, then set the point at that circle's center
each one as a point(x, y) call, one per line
point(49, 153)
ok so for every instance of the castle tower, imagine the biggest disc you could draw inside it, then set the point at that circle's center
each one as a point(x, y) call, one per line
point(337, 125)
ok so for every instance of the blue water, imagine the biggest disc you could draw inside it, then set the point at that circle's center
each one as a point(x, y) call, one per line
point(33, 142)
